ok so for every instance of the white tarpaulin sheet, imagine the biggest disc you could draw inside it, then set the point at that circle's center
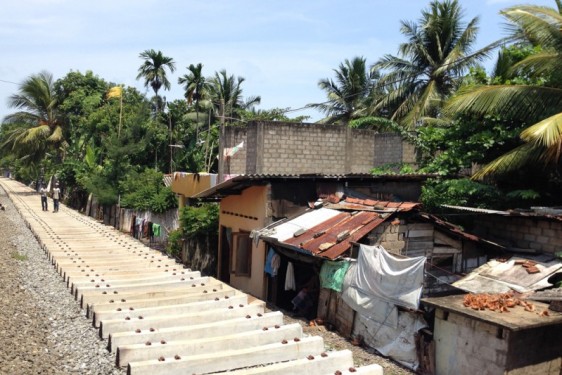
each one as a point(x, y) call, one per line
point(396, 280)
point(371, 307)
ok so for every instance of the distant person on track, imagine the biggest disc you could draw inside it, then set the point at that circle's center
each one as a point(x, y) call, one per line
point(56, 197)
point(43, 191)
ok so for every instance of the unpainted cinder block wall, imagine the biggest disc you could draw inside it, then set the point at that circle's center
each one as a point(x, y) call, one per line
point(540, 234)
point(295, 148)
point(465, 346)
point(469, 346)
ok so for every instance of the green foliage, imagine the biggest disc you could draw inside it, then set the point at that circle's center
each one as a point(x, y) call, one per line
point(447, 150)
point(175, 241)
point(393, 168)
point(461, 192)
point(199, 220)
point(145, 191)
point(371, 122)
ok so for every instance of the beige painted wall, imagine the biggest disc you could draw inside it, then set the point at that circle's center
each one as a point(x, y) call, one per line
point(247, 212)
point(189, 184)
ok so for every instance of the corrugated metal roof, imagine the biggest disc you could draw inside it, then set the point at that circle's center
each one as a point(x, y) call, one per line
point(454, 229)
point(325, 232)
point(167, 180)
point(240, 182)
point(476, 209)
point(553, 213)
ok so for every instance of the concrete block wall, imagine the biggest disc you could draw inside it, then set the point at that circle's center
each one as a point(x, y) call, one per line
point(390, 235)
point(299, 148)
point(528, 233)
point(295, 148)
point(467, 346)
point(362, 151)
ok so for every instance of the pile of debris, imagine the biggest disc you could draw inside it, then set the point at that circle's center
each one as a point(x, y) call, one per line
point(500, 302)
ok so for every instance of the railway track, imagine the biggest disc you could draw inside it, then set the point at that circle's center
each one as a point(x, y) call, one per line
point(160, 318)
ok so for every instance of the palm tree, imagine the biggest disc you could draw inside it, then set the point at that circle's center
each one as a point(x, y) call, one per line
point(196, 89)
point(195, 84)
point(347, 96)
point(540, 104)
point(226, 92)
point(430, 64)
point(153, 71)
point(38, 125)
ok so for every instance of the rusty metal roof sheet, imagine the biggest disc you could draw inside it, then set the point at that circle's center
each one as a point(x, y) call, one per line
point(372, 205)
point(330, 237)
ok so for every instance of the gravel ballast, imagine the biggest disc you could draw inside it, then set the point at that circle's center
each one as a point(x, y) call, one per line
point(44, 331)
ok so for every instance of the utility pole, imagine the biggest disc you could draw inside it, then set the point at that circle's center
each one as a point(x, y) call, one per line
point(171, 143)
point(221, 143)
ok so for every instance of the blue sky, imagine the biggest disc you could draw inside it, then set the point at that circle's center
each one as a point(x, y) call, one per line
point(281, 48)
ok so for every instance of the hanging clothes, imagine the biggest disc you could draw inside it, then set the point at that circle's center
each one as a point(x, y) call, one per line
point(156, 230)
point(290, 283)
point(332, 274)
point(268, 268)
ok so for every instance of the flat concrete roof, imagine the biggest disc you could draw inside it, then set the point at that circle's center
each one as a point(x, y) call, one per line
point(516, 319)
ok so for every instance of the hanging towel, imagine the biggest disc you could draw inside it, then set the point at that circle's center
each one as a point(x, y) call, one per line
point(290, 278)
point(156, 230)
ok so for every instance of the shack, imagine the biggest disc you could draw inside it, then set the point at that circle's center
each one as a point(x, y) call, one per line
point(471, 341)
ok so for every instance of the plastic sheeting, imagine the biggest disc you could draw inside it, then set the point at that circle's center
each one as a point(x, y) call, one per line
point(397, 343)
point(395, 280)
point(332, 274)
point(371, 307)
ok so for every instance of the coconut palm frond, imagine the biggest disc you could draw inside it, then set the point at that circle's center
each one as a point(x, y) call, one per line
point(538, 24)
point(513, 160)
point(547, 135)
point(422, 106)
point(513, 101)
point(539, 64)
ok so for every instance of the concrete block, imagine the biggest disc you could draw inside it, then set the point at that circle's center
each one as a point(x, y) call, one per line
point(200, 346)
point(138, 322)
point(185, 331)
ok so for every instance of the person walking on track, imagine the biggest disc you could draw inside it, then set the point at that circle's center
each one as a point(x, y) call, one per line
point(43, 191)
point(56, 197)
